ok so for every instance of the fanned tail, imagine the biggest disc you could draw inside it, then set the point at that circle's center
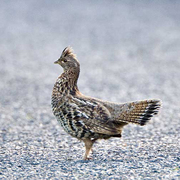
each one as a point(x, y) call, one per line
point(139, 112)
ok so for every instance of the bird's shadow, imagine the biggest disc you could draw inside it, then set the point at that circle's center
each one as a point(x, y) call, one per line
point(96, 161)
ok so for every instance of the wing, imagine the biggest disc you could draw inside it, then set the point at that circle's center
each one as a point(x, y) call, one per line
point(93, 115)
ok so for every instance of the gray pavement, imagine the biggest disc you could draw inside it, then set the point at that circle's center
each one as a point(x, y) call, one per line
point(128, 50)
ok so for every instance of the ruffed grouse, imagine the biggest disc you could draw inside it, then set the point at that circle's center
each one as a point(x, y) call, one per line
point(87, 118)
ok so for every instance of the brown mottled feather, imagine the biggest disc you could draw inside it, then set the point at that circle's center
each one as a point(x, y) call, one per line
point(89, 119)
point(68, 51)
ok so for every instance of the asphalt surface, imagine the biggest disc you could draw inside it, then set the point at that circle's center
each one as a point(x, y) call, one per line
point(128, 50)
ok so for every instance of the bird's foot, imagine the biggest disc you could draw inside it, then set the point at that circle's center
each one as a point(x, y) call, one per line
point(87, 158)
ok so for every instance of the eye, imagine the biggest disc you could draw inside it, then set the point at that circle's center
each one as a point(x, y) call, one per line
point(64, 60)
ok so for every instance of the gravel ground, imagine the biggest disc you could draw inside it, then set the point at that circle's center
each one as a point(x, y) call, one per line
point(128, 50)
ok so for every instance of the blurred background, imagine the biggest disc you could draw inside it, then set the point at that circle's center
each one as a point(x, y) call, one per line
point(128, 50)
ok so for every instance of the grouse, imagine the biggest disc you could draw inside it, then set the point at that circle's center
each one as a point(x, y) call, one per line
point(87, 118)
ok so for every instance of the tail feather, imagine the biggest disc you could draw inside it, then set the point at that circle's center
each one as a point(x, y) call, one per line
point(139, 112)
point(152, 109)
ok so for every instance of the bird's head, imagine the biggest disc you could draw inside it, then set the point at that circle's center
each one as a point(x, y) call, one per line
point(68, 59)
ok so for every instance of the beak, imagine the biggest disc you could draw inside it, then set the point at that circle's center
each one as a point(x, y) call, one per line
point(56, 62)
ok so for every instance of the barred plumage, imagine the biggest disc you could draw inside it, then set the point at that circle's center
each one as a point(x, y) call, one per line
point(89, 119)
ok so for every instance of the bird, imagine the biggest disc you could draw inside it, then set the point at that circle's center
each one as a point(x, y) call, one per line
point(90, 119)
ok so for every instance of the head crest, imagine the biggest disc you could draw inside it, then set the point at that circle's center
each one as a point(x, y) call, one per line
point(68, 51)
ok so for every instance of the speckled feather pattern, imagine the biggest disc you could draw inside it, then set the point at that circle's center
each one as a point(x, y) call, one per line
point(87, 118)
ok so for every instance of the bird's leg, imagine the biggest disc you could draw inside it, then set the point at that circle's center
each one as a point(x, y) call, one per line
point(88, 145)
point(93, 141)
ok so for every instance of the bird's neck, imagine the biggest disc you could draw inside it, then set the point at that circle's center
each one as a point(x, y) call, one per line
point(67, 82)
